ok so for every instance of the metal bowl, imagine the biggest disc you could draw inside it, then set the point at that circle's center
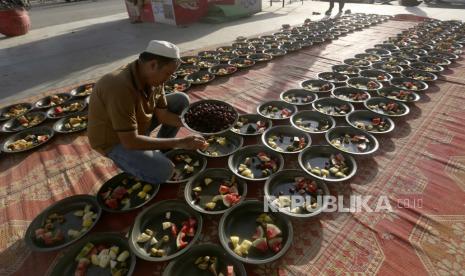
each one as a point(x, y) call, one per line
point(419, 75)
point(78, 92)
point(388, 46)
point(182, 84)
point(288, 133)
point(260, 57)
point(207, 54)
point(398, 82)
point(319, 156)
point(65, 207)
point(225, 49)
point(241, 221)
point(343, 93)
point(185, 265)
point(13, 125)
point(396, 61)
point(281, 105)
point(392, 93)
point(230, 69)
point(379, 52)
point(186, 69)
point(3, 117)
point(45, 103)
point(251, 152)
point(375, 74)
point(427, 67)
point(435, 60)
point(378, 100)
point(275, 52)
point(41, 130)
point(362, 83)
point(370, 57)
point(361, 63)
point(190, 59)
point(118, 180)
point(252, 119)
point(334, 105)
point(282, 182)
point(152, 218)
point(445, 55)
point(240, 62)
point(207, 63)
point(345, 69)
point(59, 125)
point(67, 264)
point(298, 97)
point(333, 77)
point(233, 143)
point(244, 52)
point(350, 148)
point(317, 86)
point(52, 114)
point(195, 156)
point(218, 176)
point(391, 69)
point(366, 117)
point(312, 120)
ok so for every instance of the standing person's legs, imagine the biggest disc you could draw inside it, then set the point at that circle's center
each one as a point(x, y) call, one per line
point(331, 6)
point(177, 102)
point(150, 166)
point(341, 5)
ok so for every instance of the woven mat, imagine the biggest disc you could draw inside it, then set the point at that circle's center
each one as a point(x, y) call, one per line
point(420, 167)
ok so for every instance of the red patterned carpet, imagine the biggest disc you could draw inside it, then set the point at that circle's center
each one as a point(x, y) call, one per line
point(420, 167)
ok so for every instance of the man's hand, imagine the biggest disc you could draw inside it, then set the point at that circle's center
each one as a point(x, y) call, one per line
point(193, 142)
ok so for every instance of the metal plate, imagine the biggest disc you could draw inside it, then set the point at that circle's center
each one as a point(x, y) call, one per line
point(389, 93)
point(378, 100)
point(79, 92)
point(372, 145)
point(53, 115)
point(153, 217)
point(14, 125)
point(374, 74)
point(241, 221)
point(328, 106)
point(252, 120)
point(366, 117)
point(347, 94)
point(185, 265)
point(299, 97)
point(282, 182)
point(233, 143)
point(397, 82)
point(319, 156)
point(4, 110)
point(281, 105)
point(361, 83)
point(179, 165)
point(67, 265)
point(65, 207)
point(45, 102)
point(136, 201)
point(251, 152)
point(41, 130)
point(211, 190)
point(59, 125)
point(287, 133)
point(311, 121)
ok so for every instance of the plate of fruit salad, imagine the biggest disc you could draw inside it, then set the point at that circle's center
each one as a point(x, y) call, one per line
point(214, 191)
point(333, 107)
point(83, 90)
point(327, 163)
point(252, 236)
point(286, 139)
point(276, 110)
point(255, 162)
point(281, 187)
point(187, 164)
point(312, 121)
point(205, 260)
point(251, 125)
point(52, 100)
point(63, 223)
point(409, 84)
point(23, 122)
point(177, 85)
point(164, 231)
point(124, 193)
point(66, 109)
point(419, 75)
point(317, 86)
point(352, 140)
point(222, 145)
point(387, 107)
point(398, 94)
point(97, 254)
point(364, 83)
point(375, 74)
point(370, 122)
point(71, 124)
point(299, 97)
point(350, 94)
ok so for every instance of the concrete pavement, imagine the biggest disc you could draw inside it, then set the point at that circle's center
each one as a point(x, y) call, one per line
point(65, 54)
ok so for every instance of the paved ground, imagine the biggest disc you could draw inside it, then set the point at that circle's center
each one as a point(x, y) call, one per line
point(61, 13)
point(64, 54)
